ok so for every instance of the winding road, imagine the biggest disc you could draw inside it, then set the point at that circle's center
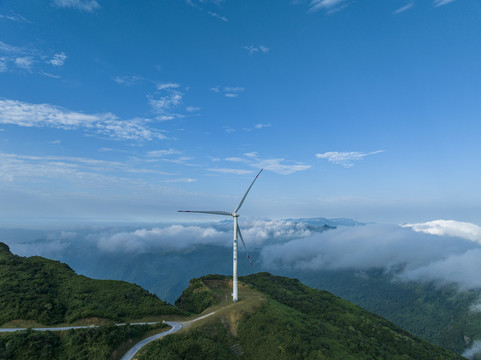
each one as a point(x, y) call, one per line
point(175, 326)
point(65, 328)
point(135, 349)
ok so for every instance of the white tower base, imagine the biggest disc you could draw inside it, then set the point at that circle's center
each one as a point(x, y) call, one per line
point(234, 270)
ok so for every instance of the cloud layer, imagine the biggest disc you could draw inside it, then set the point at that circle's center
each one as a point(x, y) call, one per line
point(26, 59)
point(448, 255)
point(84, 5)
point(449, 228)
point(277, 165)
point(14, 112)
point(345, 159)
point(187, 237)
point(405, 254)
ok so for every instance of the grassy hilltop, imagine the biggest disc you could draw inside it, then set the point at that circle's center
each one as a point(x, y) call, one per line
point(286, 320)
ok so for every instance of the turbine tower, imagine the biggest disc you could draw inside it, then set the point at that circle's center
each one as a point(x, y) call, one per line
point(237, 231)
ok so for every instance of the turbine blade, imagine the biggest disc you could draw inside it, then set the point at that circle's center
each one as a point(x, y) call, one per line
point(208, 212)
point(243, 243)
point(242, 201)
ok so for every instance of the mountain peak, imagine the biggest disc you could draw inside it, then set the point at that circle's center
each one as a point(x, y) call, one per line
point(4, 248)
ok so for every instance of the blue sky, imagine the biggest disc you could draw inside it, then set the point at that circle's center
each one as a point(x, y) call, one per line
point(131, 110)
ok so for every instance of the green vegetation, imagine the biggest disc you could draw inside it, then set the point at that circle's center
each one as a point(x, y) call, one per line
point(332, 326)
point(198, 296)
point(50, 292)
point(439, 314)
point(208, 344)
point(89, 344)
point(295, 322)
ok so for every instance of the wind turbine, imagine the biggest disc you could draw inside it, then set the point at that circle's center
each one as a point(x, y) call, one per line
point(237, 231)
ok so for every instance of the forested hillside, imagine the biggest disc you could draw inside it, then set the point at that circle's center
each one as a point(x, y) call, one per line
point(49, 292)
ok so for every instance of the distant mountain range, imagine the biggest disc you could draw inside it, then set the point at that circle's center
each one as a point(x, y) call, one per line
point(334, 222)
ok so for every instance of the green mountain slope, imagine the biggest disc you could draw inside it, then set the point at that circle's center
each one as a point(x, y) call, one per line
point(49, 292)
point(443, 315)
point(102, 343)
point(292, 322)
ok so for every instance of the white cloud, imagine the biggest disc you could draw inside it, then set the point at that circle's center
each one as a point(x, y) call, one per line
point(476, 307)
point(53, 76)
point(403, 8)
point(85, 5)
point(454, 269)
point(442, 2)
point(58, 59)
point(164, 104)
point(3, 64)
point(251, 49)
point(220, 17)
point(13, 112)
point(9, 49)
point(175, 237)
point(192, 109)
point(228, 91)
point(255, 127)
point(345, 159)
point(166, 117)
point(182, 237)
point(326, 4)
point(24, 62)
point(14, 58)
point(180, 180)
point(14, 17)
point(261, 126)
point(236, 159)
point(259, 231)
point(229, 130)
point(17, 169)
point(277, 165)
point(165, 86)
point(449, 228)
point(473, 350)
point(162, 153)
point(233, 89)
point(408, 255)
point(165, 101)
point(232, 171)
point(182, 160)
point(128, 80)
point(197, 3)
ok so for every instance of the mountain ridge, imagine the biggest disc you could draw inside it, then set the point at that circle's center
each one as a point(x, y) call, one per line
point(50, 292)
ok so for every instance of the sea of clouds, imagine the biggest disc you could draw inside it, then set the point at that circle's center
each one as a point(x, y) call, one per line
point(443, 251)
